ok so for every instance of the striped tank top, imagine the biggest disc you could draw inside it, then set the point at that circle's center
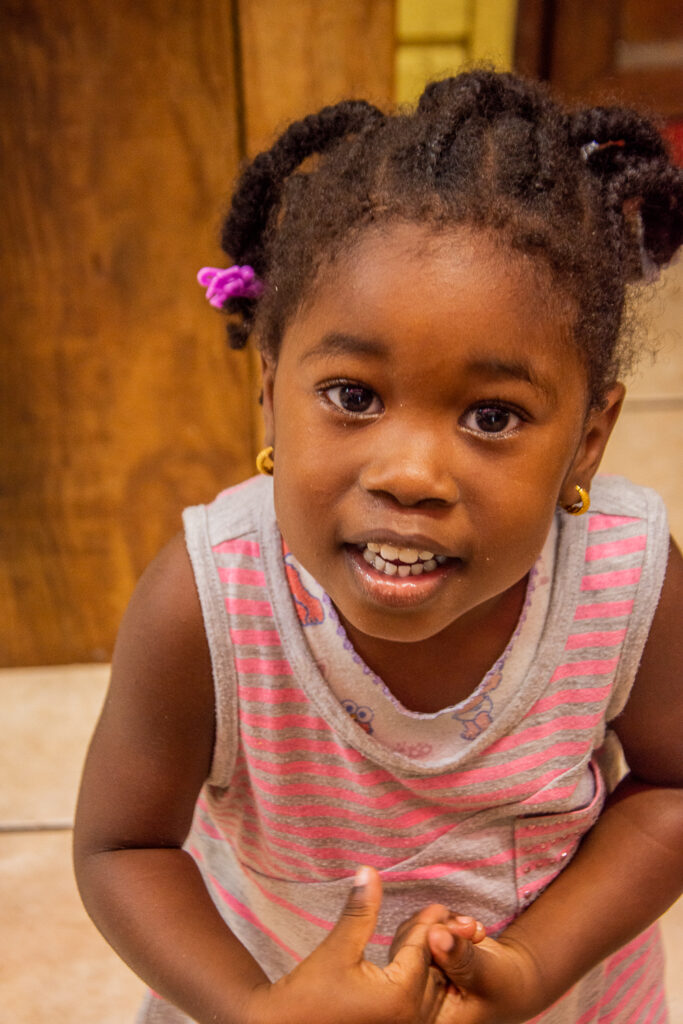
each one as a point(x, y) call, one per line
point(300, 794)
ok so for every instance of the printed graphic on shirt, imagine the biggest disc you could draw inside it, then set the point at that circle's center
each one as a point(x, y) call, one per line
point(477, 713)
point(360, 713)
point(308, 608)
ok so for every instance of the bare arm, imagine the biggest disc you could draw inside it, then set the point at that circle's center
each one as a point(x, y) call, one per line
point(149, 757)
point(628, 870)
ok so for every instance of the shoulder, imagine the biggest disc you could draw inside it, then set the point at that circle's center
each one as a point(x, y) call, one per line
point(234, 512)
point(161, 658)
point(651, 724)
point(153, 745)
point(613, 495)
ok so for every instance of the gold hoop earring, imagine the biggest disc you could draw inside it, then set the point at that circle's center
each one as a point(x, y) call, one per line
point(264, 461)
point(580, 506)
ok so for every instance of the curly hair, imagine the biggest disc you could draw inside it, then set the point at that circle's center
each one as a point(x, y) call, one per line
point(591, 192)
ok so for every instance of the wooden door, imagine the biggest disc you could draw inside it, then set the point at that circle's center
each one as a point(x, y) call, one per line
point(121, 130)
point(626, 51)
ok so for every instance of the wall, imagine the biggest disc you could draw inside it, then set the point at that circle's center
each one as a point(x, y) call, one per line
point(435, 37)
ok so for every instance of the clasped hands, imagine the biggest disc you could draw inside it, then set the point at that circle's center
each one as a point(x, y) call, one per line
point(442, 969)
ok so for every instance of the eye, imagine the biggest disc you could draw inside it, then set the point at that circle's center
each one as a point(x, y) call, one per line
point(493, 420)
point(364, 714)
point(353, 398)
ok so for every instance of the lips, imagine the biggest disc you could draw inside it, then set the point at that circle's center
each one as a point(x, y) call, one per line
point(392, 560)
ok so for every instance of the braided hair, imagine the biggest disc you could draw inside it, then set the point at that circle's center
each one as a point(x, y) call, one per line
point(591, 192)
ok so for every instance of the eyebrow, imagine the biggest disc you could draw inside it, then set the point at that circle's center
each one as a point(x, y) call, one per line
point(337, 343)
point(514, 369)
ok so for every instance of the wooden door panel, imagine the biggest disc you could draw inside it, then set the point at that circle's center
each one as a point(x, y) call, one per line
point(121, 130)
point(614, 51)
point(117, 141)
point(301, 55)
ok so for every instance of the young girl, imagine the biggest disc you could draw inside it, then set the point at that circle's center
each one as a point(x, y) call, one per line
point(359, 761)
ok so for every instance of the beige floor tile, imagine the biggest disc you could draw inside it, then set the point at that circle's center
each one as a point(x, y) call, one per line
point(672, 929)
point(55, 966)
point(660, 320)
point(646, 447)
point(46, 718)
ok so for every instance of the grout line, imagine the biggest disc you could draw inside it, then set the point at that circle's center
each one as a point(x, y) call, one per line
point(652, 403)
point(15, 827)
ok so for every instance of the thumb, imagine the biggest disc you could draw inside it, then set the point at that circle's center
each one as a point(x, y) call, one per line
point(358, 920)
point(454, 954)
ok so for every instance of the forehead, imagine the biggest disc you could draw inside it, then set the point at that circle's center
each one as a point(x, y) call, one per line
point(453, 293)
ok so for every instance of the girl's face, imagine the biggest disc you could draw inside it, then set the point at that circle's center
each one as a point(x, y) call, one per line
point(428, 412)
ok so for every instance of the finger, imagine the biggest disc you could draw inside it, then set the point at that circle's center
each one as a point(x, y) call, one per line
point(431, 914)
point(433, 996)
point(466, 927)
point(358, 920)
point(452, 953)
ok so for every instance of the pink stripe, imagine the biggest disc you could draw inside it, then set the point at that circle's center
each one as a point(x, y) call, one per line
point(652, 1003)
point(588, 696)
point(319, 922)
point(538, 732)
point(616, 547)
point(263, 666)
point(620, 985)
point(277, 815)
point(528, 790)
point(589, 1017)
point(433, 786)
point(246, 914)
point(505, 770)
point(208, 828)
point(604, 610)
point(597, 667)
point(634, 946)
point(275, 722)
point(600, 522)
point(432, 871)
point(377, 776)
point(619, 578)
point(344, 835)
point(367, 843)
point(242, 606)
point(343, 854)
point(235, 574)
point(281, 695)
point(526, 832)
point(547, 795)
point(284, 790)
point(238, 547)
point(303, 744)
point(262, 637)
point(610, 638)
point(298, 911)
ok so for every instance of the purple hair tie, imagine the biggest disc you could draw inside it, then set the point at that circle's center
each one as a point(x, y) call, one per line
point(238, 282)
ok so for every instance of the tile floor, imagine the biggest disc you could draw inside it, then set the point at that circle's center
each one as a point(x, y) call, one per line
point(54, 965)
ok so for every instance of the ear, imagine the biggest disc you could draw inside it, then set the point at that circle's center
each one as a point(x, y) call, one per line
point(268, 382)
point(596, 433)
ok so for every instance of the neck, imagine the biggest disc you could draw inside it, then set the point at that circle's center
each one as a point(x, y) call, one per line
point(442, 670)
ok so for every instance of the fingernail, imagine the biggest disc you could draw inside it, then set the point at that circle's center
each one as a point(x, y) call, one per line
point(361, 878)
point(444, 941)
point(462, 919)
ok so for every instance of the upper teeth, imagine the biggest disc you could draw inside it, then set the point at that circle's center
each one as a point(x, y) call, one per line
point(395, 561)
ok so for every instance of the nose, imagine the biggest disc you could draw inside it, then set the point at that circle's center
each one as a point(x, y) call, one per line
point(412, 464)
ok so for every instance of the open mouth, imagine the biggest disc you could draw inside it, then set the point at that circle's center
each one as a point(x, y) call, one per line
point(403, 562)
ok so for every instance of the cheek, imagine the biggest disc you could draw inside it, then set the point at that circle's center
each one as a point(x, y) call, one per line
point(512, 529)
